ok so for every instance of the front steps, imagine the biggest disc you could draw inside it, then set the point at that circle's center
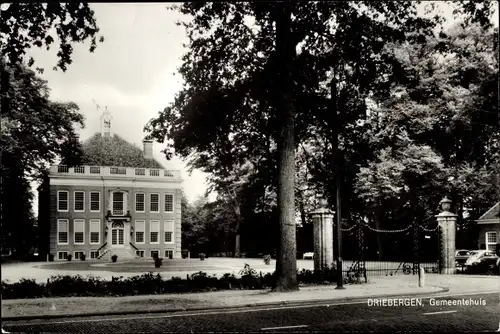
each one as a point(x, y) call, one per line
point(122, 253)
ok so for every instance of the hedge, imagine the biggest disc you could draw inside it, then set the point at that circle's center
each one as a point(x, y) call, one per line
point(147, 284)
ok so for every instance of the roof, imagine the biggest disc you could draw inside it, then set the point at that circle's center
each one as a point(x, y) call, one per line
point(493, 213)
point(114, 152)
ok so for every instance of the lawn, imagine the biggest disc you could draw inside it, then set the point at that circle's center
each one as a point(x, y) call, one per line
point(41, 271)
point(174, 265)
point(212, 264)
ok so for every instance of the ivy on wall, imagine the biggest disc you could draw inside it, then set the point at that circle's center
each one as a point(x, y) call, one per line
point(114, 151)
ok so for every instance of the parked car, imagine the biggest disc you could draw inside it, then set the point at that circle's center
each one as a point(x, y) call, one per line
point(483, 262)
point(461, 256)
point(308, 256)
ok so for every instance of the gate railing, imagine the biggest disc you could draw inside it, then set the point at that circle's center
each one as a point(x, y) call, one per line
point(411, 251)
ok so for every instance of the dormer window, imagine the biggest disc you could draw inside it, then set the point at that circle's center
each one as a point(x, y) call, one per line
point(118, 204)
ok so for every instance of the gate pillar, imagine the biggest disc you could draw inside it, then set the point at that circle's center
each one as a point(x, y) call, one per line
point(447, 224)
point(323, 237)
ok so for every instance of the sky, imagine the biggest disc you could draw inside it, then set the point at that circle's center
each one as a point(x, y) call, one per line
point(132, 73)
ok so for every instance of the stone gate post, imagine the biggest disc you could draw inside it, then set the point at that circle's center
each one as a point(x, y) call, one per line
point(323, 237)
point(447, 224)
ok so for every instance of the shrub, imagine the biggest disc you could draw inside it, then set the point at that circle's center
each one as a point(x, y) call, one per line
point(200, 281)
point(269, 280)
point(69, 257)
point(228, 281)
point(317, 276)
point(149, 283)
point(82, 257)
point(24, 288)
point(267, 259)
point(249, 278)
point(114, 258)
point(66, 285)
point(158, 261)
point(354, 277)
point(202, 256)
point(117, 286)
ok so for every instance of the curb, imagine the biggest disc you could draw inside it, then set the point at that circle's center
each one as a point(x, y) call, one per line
point(214, 308)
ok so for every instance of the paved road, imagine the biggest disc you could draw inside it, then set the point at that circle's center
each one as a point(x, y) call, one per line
point(351, 316)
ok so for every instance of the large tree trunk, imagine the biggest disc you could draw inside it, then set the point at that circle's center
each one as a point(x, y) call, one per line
point(286, 261)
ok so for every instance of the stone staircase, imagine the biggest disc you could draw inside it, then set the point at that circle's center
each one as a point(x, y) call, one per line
point(122, 253)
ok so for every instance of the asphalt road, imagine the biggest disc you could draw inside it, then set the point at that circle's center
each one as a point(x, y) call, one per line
point(347, 316)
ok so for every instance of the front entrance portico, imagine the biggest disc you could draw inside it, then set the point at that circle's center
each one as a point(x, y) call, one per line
point(119, 236)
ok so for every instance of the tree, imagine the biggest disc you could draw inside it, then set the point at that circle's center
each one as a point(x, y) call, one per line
point(34, 130)
point(248, 93)
point(17, 214)
point(254, 92)
point(25, 25)
point(208, 227)
point(446, 107)
point(114, 151)
point(194, 236)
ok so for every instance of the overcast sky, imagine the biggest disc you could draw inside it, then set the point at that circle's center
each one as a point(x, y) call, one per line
point(132, 73)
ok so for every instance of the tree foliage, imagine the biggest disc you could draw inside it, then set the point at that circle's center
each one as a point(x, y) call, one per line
point(26, 25)
point(114, 151)
point(447, 114)
point(35, 131)
point(208, 227)
point(239, 78)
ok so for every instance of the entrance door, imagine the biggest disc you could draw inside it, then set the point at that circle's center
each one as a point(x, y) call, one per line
point(117, 234)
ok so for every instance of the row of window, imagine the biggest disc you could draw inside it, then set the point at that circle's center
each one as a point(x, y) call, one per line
point(154, 231)
point(95, 229)
point(77, 255)
point(78, 231)
point(118, 199)
point(168, 253)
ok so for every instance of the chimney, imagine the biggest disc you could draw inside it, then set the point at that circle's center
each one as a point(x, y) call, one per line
point(148, 148)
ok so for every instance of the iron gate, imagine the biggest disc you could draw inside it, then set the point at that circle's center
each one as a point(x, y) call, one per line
point(368, 251)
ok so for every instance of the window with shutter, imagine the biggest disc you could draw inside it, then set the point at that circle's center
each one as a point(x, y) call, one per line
point(154, 232)
point(95, 229)
point(169, 231)
point(140, 229)
point(79, 231)
point(62, 231)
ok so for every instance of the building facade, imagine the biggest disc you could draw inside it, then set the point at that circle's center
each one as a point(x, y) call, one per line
point(109, 208)
point(489, 228)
